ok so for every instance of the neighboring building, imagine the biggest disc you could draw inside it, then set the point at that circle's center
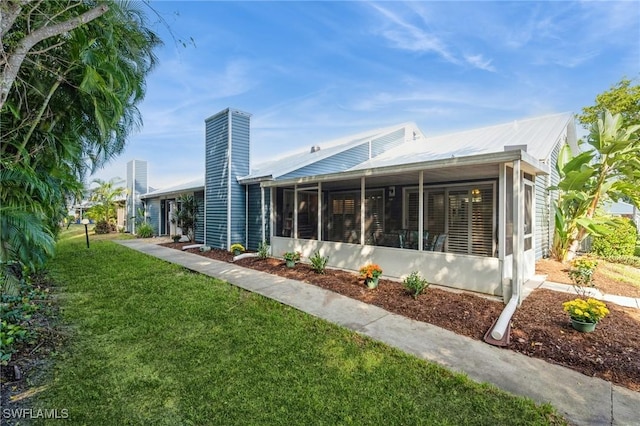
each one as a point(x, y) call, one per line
point(622, 209)
point(468, 210)
point(136, 186)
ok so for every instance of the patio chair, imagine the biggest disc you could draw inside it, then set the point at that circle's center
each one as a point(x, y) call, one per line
point(425, 241)
point(438, 242)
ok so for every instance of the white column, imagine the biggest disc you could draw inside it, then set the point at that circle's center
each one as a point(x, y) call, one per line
point(262, 215)
point(295, 211)
point(319, 211)
point(362, 210)
point(518, 232)
point(420, 210)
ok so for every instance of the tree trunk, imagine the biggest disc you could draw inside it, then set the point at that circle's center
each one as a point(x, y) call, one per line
point(14, 59)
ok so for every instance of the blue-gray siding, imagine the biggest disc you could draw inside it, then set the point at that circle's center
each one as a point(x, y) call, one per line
point(387, 142)
point(351, 157)
point(335, 163)
point(153, 215)
point(240, 141)
point(199, 197)
point(545, 210)
point(254, 219)
point(226, 158)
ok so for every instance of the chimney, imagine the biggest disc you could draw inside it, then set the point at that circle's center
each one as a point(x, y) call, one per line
point(315, 148)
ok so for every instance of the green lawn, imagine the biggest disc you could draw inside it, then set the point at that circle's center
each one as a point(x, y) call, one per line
point(153, 343)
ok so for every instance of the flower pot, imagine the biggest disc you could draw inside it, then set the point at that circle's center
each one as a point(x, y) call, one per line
point(371, 282)
point(290, 263)
point(584, 327)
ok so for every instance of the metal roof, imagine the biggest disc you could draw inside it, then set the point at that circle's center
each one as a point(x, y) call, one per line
point(536, 136)
point(288, 163)
point(194, 185)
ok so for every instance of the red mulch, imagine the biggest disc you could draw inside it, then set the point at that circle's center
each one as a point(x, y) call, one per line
point(540, 328)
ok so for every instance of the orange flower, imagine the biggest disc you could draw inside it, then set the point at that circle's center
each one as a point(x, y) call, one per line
point(370, 270)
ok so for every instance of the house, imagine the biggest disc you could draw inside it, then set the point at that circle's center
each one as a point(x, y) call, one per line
point(468, 210)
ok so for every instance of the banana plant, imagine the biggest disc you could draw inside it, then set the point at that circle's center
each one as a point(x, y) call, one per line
point(608, 169)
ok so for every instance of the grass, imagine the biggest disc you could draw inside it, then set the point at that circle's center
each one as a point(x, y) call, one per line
point(153, 343)
point(621, 273)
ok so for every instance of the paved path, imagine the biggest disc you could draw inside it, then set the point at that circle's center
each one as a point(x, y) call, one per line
point(583, 400)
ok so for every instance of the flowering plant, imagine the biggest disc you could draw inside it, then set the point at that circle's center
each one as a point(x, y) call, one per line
point(370, 270)
point(582, 271)
point(590, 310)
point(236, 246)
point(291, 255)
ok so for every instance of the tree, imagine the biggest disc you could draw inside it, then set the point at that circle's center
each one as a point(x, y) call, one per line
point(609, 170)
point(622, 98)
point(69, 111)
point(41, 27)
point(105, 194)
point(186, 217)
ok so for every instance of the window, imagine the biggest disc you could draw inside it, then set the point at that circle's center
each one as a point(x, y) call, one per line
point(344, 212)
point(528, 215)
point(464, 212)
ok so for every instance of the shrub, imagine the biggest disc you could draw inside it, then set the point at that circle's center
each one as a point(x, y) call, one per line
point(292, 256)
point(145, 230)
point(620, 241)
point(318, 262)
point(625, 260)
point(582, 271)
point(263, 250)
point(415, 284)
point(102, 227)
point(236, 247)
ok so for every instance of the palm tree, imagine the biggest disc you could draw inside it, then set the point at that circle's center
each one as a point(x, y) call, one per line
point(105, 195)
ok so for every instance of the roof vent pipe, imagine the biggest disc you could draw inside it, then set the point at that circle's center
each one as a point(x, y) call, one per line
point(315, 148)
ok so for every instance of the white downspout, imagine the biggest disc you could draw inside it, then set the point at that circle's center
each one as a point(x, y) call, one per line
point(505, 317)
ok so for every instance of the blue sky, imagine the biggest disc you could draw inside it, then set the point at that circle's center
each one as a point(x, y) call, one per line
point(314, 71)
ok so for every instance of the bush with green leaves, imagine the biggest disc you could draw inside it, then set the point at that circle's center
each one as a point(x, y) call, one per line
point(318, 262)
point(619, 241)
point(145, 230)
point(415, 284)
point(102, 227)
point(263, 250)
point(624, 260)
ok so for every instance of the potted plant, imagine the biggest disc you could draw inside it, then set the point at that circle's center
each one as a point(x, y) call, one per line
point(176, 238)
point(291, 257)
point(585, 314)
point(371, 273)
point(236, 249)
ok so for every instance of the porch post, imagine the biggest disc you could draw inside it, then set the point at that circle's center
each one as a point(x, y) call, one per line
point(262, 214)
point(420, 209)
point(362, 210)
point(295, 211)
point(319, 211)
point(518, 232)
point(272, 213)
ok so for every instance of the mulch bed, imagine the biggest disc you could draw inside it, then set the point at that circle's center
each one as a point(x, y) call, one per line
point(540, 328)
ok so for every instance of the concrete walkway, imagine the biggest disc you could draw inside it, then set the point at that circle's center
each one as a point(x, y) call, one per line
point(539, 282)
point(581, 399)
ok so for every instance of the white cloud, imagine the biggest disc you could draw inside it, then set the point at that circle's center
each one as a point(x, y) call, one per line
point(478, 61)
point(406, 36)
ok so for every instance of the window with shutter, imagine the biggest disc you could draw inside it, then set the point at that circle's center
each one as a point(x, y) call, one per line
point(466, 213)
